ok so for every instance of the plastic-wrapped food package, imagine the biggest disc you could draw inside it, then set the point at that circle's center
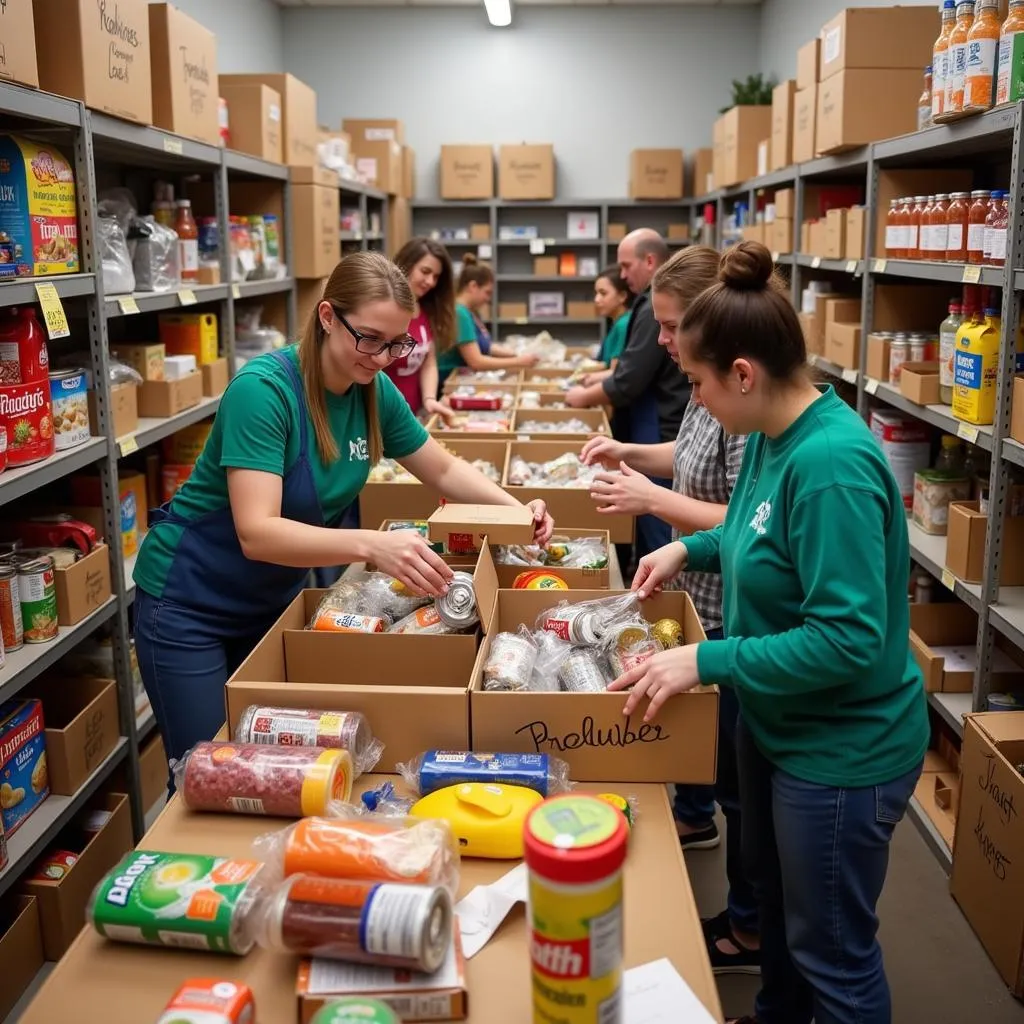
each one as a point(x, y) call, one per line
point(306, 727)
point(563, 552)
point(155, 256)
point(424, 621)
point(586, 622)
point(373, 594)
point(188, 901)
point(118, 276)
point(381, 923)
point(365, 847)
point(387, 471)
point(510, 661)
point(629, 806)
point(582, 671)
point(552, 650)
point(573, 425)
point(437, 769)
point(251, 778)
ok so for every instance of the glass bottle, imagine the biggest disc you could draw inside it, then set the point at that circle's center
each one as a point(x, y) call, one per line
point(982, 47)
point(1000, 223)
point(907, 243)
point(925, 237)
point(924, 102)
point(893, 250)
point(947, 350)
point(940, 57)
point(188, 241)
point(980, 201)
point(939, 229)
point(956, 227)
point(950, 457)
point(914, 228)
point(1011, 54)
point(956, 79)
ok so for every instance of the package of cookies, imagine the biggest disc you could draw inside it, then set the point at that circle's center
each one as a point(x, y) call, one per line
point(24, 780)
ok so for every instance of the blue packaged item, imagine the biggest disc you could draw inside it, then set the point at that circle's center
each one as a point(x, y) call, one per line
point(437, 769)
point(24, 780)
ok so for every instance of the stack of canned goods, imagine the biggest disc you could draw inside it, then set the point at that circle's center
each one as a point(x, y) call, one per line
point(907, 347)
point(28, 597)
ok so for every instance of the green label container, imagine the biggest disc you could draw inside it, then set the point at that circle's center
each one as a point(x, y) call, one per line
point(355, 1011)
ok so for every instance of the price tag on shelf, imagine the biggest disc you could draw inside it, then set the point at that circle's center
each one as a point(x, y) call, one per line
point(878, 266)
point(850, 376)
point(971, 275)
point(537, 247)
point(128, 305)
point(871, 385)
point(549, 241)
point(524, 437)
point(775, 257)
point(174, 146)
point(851, 266)
point(816, 262)
point(127, 445)
point(187, 297)
point(948, 580)
point(522, 320)
point(53, 311)
point(236, 291)
point(967, 432)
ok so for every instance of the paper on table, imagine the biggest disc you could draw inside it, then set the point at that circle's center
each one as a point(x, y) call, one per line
point(655, 993)
point(482, 910)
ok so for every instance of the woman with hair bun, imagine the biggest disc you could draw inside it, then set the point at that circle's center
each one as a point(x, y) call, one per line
point(814, 557)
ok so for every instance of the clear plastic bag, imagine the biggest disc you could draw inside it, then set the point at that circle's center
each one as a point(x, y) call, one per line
point(586, 622)
point(382, 800)
point(551, 652)
point(371, 594)
point(425, 621)
point(118, 276)
point(510, 661)
point(155, 256)
point(437, 769)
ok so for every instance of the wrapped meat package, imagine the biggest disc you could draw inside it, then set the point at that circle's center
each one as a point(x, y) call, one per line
point(436, 769)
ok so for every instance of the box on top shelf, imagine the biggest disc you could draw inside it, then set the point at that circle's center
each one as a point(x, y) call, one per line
point(299, 126)
point(656, 174)
point(703, 177)
point(316, 215)
point(254, 119)
point(373, 129)
point(380, 162)
point(862, 105)
point(807, 64)
point(879, 37)
point(408, 172)
point(783, 99)
point(467, 172)
point(738, 132)
point(465, 527)
point(18, 46)
point(526, 171)
point(97, 54)
point(805, 115)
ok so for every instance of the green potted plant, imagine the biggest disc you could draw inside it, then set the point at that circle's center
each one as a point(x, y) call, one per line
point(753, 92)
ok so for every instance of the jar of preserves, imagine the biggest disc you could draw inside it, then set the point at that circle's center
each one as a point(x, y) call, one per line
point(997, 227)
point(940, 58)
point(899, 353)
point(938, 225)
point(956, 79)
point(906, 210)
point(956, 227)
point(893, 231)
point(980, 200)
point(188, 242)
point(982, 46)
point(919, 346)
point(1011, 54)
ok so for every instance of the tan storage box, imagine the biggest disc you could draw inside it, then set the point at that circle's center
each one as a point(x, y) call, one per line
point(805, 115)
point(316, 216)
point(783, 100)
point(965, 545)
point(703, 172)
point(467, 172)
point(381, 163)
point(159, 399)
point(739, 132)
point(526, 171)
point(807, 64)
point(656, 174)
point(18, 45)
point(373, 129)
point(408, 172)
point(254, 119)
point(298, 115)
point(855, 226)
point(875, 38)
point(152, 772)
point(859, 106)
point(84, 587)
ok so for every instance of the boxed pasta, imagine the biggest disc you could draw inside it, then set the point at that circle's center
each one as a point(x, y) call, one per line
point(24, 779)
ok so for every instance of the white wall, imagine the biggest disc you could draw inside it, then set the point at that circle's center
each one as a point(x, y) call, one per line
point(248, 32)
point(787, 24)
point(595, 81)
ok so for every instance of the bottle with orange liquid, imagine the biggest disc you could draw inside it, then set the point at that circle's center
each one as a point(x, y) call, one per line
point(956, 79)
point(1009, 81)
point(982, 48)
point(940, 58)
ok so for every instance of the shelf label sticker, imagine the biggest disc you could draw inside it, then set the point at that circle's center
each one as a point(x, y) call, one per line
point(127, 445)
point(187, 297)
point(522, 320)
point(484, 252)
point(537, 246)
point(816, 262)
point(53, 311)
point(775, 257)
point(871, 385)
point(971, 275)
point(967, 432)
point(236, 291)
point(878, 266)
point(524, 437)
point(948, 580)
point(174, 146)
point(128, 305)
point(850, 376)
point(851, 266)
point(549, 241)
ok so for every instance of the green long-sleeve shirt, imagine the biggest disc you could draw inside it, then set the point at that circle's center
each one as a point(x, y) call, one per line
point(814, 557)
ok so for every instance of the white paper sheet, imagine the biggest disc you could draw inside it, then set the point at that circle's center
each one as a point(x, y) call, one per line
point(656, 993)
point(482, 910)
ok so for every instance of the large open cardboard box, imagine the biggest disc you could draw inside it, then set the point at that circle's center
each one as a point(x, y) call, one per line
point(589, 730)
point(437, 428)
point(595, 419)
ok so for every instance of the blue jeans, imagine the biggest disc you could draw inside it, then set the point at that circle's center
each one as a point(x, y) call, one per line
point(651, 532)
point(818, 856)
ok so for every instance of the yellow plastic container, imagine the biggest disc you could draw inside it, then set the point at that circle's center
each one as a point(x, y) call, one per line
point(190, 334)
point(976, 369)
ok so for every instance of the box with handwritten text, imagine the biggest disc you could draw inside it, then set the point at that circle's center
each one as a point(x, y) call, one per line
point(988, 851)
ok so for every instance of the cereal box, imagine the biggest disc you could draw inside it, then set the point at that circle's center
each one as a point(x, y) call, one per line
point(38, 217)
point(24, 780)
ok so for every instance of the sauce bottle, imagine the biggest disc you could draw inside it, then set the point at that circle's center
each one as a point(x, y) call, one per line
point(976, 217)
point(188, 241)
point(906, 207)
point(939, 228)
point(940, 58)
point(1011, 55)
point(893, 249)
point(924, 102)
point(956, 79)
point(914, 234)
point(996, 227)
point(982, 47)
point(956, 227)
point(947, 350)
point(925, 238)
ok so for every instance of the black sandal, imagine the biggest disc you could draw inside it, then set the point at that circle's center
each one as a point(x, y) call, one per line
point(743, 961)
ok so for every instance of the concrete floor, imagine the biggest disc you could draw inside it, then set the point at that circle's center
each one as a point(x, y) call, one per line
point(937, 969)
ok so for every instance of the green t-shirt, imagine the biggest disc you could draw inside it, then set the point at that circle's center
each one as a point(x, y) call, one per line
point(814, 557)
point(257, 427)
point(615, 339)
point(465, 332)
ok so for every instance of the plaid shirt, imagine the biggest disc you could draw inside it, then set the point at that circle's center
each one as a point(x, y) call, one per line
point(705, 467)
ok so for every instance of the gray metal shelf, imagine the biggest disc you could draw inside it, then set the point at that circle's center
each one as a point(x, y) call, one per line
point(1013, 451)
point(17, 482)
point(153, 302)
point(35, 105)
point(118, 140)
point(929, 551)
point(357, 188)
point(253, 166)
point(928, 270)
point(930, 834)
point(558, 241)
point(544, 279)
point(22, 291)
point(951, 708)
point(153, 429)
point(1007, 614)
point(940, 416)
point(803, 259)
point(987, 132)
point(254, 289)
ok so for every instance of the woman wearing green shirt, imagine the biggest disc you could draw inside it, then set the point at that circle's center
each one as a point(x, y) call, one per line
point(612, 299)
point(291, 447)
point(814, 557)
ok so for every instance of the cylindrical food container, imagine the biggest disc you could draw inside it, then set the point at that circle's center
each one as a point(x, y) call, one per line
point(668, 633)
point(388, 925)
point(302, 727)
point(509, 664)
point(38, 594)
point(210, 1001)
point(575, 847)
point(69, 399)
point(534, 580)
point(11, 625)
point(576, 623)
point(187, 901)
point(251, 778)
point(457, 608)
point(580, 672)
point(355, 1010)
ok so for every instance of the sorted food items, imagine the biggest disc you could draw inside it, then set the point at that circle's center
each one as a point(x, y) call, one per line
point(181, 900)
point(253, 778)
point(438, 769)
point(304, 727)
point(24, 779)
point(539, 581)
point(389, 925)
point(564, 471)
point(370, 847)
point(569, 426)
point(356, 1010)
point(388, 471)
point(365, 596)
point(510, 661)
point(465, 375)
point(562, 552)
point(628, 645)
point(210, 1001)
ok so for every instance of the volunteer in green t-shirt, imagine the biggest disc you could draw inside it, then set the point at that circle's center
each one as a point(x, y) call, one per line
point(291, 448)
point(612, 299)
point(814, 557)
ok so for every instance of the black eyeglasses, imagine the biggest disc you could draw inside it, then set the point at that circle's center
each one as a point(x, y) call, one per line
point(375, 346)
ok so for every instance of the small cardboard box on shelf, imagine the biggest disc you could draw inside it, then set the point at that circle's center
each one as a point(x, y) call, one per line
point(703, 177)
point(316, 215)
point(920, 382)
point(373, 129)
point(254, 119)
point(146, 358)
point(807, 64)
point(835, 234)
point(855, 217)
point(215, 377)
point(783, 100)
point(299, 127)
point(858, 106)
point(467, 172)
point(656, 174)
point(877, 39)
point(512, 310)
point(779, 235)
point(805, 113)
point(162, 398)
point(21, 948)
point(877, 365)
point(526, 171)
point(83, 587)
point(545, 266)
point(842, 344)
point(380, 163)
point(18, 45)
point(408, 172)
point(965, 545)
point(740, 131)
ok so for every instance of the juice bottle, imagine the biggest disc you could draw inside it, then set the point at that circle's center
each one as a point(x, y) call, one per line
point(188, 241)
point(939, 228)
point(997, 227)
point(982, 47)
point(947, 347)
point(926, 237)
point(1009, 78)
point(924, 102)
point(940, 58)
point(956, 227)
point(956, 79)
point(914, 235)
point(906, 218)
point(893, 231)
point(980, 201)
point(976, 369)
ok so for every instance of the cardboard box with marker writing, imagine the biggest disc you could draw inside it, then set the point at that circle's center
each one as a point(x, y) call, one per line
point(588, 730)
point(526, 171)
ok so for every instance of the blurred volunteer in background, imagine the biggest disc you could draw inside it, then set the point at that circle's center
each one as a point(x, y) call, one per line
point(813, 554)
point(704, 462)
point(428, 267)
point(292, 444)
point(612, 299)
point(473, 297)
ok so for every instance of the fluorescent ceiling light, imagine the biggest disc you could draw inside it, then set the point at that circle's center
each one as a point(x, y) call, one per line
point(499, 12)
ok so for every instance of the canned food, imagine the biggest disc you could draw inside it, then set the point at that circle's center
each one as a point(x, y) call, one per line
point(575, 623)
point(210, 1001)
point(620, 803)
point(12, 628)
point(622, 659)
point(38, 594)
point(534, 580)
point(580, 672)
point(69, 398)
point(899, 353)
point(510, 663)
point(457, 607)
point(355, 1010)
point(918, 348)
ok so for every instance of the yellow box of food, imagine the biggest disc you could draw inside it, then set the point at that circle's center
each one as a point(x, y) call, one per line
point(190, 334)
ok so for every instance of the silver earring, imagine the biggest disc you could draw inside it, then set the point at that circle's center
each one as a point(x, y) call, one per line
point(743, 391)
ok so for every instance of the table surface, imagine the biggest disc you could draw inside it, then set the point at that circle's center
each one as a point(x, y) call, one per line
point(133, 983)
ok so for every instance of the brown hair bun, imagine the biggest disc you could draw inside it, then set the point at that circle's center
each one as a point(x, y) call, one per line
point(469, 260)
point(746, 267)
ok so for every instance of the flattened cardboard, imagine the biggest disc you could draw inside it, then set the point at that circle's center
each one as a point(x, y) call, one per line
point(21, 949)
point(589, 730)
point(83, 587)
point(595, 419)
point(162, 398)
point(468, 524)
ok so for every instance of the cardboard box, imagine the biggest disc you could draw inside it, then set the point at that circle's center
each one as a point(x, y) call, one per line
point(254, 119)
point(859, 106)
point(656, 174)
point(877, 38)
point(805, 114)
point(152, 772)
point(183, 55)
point(408, 172)
point(779, 235)
point(215, 377)
point(588, 730)
point(753, 233)
point(783, 100)
point(595, 419)
point(678, 233)
point(373, 129)
point(965, 545)
point(1017, 410)
point(807, 64)
point(512, 311)
point(617, 232)
point(920, 382)
point(316, 215)
point(989, 849)
point(21, 947)
point(703, 172)
point(855, 233)
point(399, 226)
point(146, 358)
point(299, 127)
point(816, 240)
point(480, 232)
point(85, 586)
point(580, 309)
point(785, 204)
point(842, 344)
point(18, 46)
point(526, 171)
point(741, 129)
point(381, 164)
point(162, 398)
point(878, 357)
point(577, 579)
point(96, 55)
point(467, 172)
point(470, 527)
point(545, 266)
point(835, 234)
point(814, 335)
point(124, 408)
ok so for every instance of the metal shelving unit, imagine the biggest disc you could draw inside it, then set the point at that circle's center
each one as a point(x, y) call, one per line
point(370, 202)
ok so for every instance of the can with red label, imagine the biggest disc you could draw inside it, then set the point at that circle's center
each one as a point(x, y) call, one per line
point(26, 416)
